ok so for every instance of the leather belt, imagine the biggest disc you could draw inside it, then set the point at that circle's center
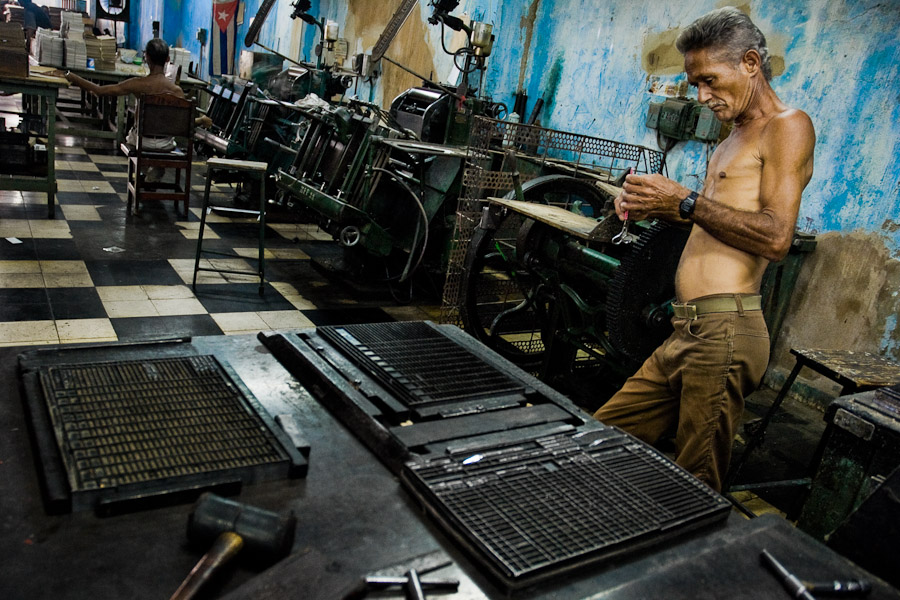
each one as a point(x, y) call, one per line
point(717, 304)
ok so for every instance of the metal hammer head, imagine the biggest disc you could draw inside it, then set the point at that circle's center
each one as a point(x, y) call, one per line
point(267, 536)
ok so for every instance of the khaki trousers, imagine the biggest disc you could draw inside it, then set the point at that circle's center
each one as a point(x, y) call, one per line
point(694, 384)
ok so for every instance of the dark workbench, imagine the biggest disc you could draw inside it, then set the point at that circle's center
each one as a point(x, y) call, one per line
point(353, 518)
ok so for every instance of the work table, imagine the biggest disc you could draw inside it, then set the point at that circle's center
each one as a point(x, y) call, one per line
point(354, 518)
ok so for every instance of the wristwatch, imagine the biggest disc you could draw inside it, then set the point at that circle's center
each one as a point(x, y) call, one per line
point(686, 208)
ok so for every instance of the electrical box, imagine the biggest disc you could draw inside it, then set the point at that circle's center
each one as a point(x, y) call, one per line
point(708, 126)
point(683, 119)
point(653, 115)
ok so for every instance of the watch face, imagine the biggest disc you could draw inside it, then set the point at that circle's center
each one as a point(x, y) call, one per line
point(686, 208)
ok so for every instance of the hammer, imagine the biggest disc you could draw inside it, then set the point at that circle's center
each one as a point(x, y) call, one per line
point(230, 526)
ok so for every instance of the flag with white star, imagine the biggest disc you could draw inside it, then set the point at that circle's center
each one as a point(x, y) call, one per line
point(223, 37)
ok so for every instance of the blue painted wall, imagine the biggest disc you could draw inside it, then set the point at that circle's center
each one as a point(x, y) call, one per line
point(588, 59)
point(585, 58)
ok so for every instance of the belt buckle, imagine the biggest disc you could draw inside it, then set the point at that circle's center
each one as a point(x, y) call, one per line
point(685, 311)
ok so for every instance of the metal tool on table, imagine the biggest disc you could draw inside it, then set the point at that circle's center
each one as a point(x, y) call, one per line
point(231, 526)
point(408, 577)
point(805, 589)
point(791, 583)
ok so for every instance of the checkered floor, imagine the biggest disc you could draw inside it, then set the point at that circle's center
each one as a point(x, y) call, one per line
point(97, 274)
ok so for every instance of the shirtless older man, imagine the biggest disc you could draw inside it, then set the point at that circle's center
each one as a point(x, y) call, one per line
point(744, 217)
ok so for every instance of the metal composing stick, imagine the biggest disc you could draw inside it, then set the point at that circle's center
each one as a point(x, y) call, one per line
point(624, 236)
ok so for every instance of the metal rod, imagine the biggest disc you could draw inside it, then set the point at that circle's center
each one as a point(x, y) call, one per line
point(790, 582)
point(423, 78)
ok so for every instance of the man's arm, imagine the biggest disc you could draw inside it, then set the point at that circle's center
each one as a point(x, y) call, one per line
point(115, 89)
point(786, 150)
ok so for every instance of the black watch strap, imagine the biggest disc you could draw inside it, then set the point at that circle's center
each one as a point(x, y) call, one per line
point(686, 208)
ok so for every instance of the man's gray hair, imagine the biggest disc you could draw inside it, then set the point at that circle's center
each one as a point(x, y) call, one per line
point(729, 31)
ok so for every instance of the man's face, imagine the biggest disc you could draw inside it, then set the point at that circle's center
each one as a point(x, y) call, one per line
point(723, 86)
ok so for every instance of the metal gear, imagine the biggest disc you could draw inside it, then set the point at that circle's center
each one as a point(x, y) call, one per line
point(643, 284)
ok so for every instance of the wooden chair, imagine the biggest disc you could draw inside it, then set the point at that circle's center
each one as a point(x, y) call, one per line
point(161, 115)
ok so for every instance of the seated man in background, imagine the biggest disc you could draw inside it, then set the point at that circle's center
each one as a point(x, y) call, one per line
point(35, 17)
point(157, 56)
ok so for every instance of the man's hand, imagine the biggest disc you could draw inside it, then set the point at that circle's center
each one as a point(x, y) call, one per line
point(203, 121)
point(646, 196)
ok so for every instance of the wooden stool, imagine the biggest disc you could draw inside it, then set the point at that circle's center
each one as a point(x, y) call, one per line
point(252, 170)
point(854, 371)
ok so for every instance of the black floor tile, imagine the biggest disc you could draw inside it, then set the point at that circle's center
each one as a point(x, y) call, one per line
point(116, 239)
point(89, 198)
point(75, 303)
point(23, 251)
point(104, 151)
point(132, 272)
point(289, 270)
point(120, 185)
point(55, 249)
point(347, 316)
point(158, 328)
point(67, 174)
point(241, 231)
point(13, 211)
point(24, 304)
point(240, 297)
point(112, 167)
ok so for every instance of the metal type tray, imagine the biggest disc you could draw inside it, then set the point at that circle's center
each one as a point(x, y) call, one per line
point(536, 509)
point(138, 429)
point(419, 364)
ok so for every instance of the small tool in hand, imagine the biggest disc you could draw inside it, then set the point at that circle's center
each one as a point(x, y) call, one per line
point(624, 237)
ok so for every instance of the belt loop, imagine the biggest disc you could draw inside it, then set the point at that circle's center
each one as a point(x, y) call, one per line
point(740, 304)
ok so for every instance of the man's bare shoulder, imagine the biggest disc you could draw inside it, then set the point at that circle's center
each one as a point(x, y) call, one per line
point(790, 123)
point(152, 85)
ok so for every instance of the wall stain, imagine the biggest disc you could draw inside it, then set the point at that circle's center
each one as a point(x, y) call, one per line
point(527, 23)
point(842, 300)
point(366, 19)
point(554, 76)
point(661, 57)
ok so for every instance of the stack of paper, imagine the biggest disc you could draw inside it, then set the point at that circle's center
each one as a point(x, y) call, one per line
point(15, 14)
point(72, 25)
point(55, 18)
point(13, 54)
point(48, 48)
point(103, 50)
point(181, 57)
point(76, 53)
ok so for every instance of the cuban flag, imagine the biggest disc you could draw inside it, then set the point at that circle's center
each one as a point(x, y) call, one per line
point(221, 59)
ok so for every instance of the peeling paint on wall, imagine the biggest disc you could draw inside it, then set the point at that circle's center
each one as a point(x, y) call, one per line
point(526, 23)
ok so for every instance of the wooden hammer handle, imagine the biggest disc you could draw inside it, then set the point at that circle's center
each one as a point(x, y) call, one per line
point(223, 550)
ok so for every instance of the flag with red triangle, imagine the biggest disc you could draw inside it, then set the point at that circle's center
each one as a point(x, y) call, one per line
point(224, 33)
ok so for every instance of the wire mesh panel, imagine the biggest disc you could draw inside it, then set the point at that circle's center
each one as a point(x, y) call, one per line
point(538, 151)
point(538, 506)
